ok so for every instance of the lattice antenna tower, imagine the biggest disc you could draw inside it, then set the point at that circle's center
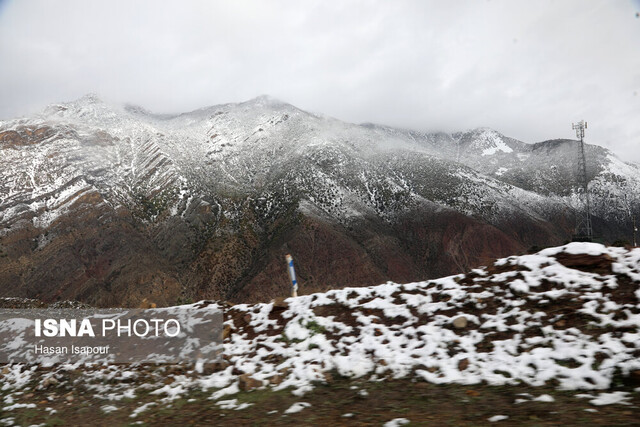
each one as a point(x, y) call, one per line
point(584, 231)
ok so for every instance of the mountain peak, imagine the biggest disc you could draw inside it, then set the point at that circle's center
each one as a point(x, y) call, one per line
point(483, 130)
point(265, 100)
point(484, 140)
point(89, 98)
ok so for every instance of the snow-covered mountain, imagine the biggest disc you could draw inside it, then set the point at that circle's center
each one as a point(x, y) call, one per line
point(113, 204)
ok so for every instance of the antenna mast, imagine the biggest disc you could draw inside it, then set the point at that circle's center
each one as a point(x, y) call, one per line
point(584, 231)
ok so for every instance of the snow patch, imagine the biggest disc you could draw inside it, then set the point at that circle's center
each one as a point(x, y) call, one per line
point(616, 397)
point(297, 407)
point(396, 422)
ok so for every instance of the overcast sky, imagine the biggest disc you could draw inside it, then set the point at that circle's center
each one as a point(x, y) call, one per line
point(525, 68)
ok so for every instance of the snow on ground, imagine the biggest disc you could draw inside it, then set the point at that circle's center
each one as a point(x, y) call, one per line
point(491, 142)
point(396, 422)
point(141, 409)
point(297, 407)
point(513, 332)
point(232, 404)
point(619, 397)
point(568, 316)
point(108, 408)
point(501, 171)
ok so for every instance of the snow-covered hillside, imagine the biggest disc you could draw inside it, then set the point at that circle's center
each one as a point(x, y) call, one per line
point(531, 318)
point(567, 316)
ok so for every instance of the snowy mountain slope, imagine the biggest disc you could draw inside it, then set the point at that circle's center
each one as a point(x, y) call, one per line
point(500, 324)
point(243, 147)
point(243, 180)
point(548, 168)
point(566, 317)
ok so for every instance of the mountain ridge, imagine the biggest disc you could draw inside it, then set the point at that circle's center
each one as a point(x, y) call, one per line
point(208, 201)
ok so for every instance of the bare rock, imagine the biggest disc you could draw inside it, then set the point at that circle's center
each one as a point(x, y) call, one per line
point(460, 322)
point(226, 331)
point(463, 364)
point(210, 368)
point(48, 382)
point(276, 379)
point(280, 302)
point(246, 382)
point(591, 263)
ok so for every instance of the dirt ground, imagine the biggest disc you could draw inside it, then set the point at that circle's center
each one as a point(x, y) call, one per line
point(340, 402)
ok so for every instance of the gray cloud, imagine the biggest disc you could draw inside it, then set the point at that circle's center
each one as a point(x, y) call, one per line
point(527, 69)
